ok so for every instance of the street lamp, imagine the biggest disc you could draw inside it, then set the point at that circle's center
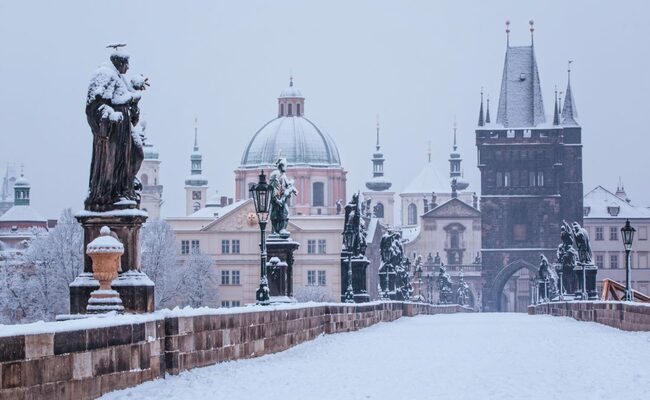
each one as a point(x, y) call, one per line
point(261, 194)
point(348, 240)
point(627, 232)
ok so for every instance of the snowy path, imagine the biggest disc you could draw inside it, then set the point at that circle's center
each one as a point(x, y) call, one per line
point(459, 356)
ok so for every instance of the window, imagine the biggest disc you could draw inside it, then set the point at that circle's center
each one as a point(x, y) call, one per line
point(225, 277)
point(235, 277)
point(600, 235)
point(235, 303)
point(185, 247)
point(281, 109)
point(225, 246)
point(613, 233)
point(322, 246)
point(643, 233)
point(196, 246)
point(412, 214)
point(643, 260)
point(454, 240)
point(540, 178)
point(311, 278)
point(235, 246)
point(311, 246)
point(379, 210)
point(225, 303)
point(289, 111)
point(499, 179)
point(613, 261)
point(318, 194)
point(250, 194)
point(196, 195)
point(599, 261)
point(322, 281)
point(196, 206)
point(298, 109)
point(144, 179)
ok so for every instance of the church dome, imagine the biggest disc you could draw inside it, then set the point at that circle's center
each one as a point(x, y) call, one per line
point(21, 181)
point(291, 136)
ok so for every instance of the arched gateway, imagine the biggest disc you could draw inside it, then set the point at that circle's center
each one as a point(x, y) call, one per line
point(493, 293)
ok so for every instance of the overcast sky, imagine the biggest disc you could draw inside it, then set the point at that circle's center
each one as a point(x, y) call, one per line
point(415, 63)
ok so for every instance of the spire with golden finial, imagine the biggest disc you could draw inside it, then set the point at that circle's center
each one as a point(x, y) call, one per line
point(532, 29)
point(508, 33)
point(480, 112)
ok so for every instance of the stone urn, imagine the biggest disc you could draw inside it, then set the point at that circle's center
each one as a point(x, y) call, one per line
point(105, 252)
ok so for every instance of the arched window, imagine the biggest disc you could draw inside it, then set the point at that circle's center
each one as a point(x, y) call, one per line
point(281, 110)
point(250, 185)
point(318, 194)
point(298, 109)
point(289, 110)
point(412, 214)
point(379, 210)
point(144, 179)
point(197, 206)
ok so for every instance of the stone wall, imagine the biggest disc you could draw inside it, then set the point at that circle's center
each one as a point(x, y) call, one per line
point(625, 316)
point(86, 361)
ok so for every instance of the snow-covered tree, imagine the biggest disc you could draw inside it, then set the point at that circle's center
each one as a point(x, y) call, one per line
point(52, 260)
point(160, 261)
point(198, 281)
point(317, 294)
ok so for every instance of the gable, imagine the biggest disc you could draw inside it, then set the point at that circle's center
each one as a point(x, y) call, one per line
point(453, 208)
point(241, 217)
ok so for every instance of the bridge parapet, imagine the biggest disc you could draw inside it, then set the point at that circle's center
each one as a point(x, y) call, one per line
point(626, 316)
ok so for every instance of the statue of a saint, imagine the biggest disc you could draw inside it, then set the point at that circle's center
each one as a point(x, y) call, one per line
point(582, 243)
point(112, 112)
point(283, 189)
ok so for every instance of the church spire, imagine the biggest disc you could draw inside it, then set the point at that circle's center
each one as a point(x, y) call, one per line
point(487, 110)
point(507, 33)
point(378, 183)
point(532, 29)
point(480, 112)
point(196, 134)
point(556, 111)
point(569, 112)
point(377, 145)
point(429, 151)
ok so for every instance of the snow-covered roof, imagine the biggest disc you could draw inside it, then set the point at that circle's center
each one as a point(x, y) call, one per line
point(601, 203)
point(297, 139)
point(409, 234)
point(22, 213)
point(216, 212)
point(291, 92)
point(520, 99)
point(428, 180)
point(569, 111)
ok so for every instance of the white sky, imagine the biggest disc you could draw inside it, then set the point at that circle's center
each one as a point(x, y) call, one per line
point(415, 63)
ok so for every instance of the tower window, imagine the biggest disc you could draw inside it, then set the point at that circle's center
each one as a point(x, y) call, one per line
point(197, 207)
point(379, 210)
point(318, 194)
point(412, 214)
point(298, 109)
point(281, 110)
point(289, 110)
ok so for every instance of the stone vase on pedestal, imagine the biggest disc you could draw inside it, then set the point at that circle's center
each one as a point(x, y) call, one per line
point(135, 288)
point(105, 252)
point(280, 272)
point(359, 278)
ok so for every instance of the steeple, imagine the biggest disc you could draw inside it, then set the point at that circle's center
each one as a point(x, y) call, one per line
point(291, 103)
point(21, 191)
point(455, 171)
point(196, 134)
point(378, 182)
point(556, 111)
point(520, 98)
point(429, 152)
point(620, 191)
point(196, 162)
point(480, 112)
point(487, 110)
point(569, 112)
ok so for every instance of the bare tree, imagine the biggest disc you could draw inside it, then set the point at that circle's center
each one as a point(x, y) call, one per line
point(317, 294)
point(160, 261)
point(199, 281)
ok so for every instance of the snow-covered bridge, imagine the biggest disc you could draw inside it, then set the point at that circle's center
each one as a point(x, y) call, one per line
point(459, 356)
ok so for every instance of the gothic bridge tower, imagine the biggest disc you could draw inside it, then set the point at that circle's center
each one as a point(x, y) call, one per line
point(531, 174)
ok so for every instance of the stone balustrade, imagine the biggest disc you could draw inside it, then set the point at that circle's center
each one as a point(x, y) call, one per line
point(87, 358)
point(617, 314)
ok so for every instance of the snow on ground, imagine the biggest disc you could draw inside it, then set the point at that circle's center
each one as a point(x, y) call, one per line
point(459, 356)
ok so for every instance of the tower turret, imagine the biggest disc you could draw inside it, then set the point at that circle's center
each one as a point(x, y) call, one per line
point(455, 172)
point(196, 185)
point(378, 181)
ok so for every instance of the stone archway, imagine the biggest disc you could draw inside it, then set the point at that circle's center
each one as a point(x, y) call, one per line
point(502, 277)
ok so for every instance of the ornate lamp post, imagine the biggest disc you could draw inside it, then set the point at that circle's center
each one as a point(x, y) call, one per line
point(348, 240)
point(261, 194)
point(627, 232)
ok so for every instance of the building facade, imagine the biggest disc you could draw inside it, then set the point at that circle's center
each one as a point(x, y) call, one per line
point(605, 214)
point(21, 222)
point(531, 175)
point(149, 176)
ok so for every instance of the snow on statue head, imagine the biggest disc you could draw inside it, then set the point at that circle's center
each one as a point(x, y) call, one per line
point(119, 57)
point(281, 164)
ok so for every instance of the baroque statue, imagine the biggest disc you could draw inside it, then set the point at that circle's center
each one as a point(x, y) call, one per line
point(354, 221)
point(112, 112)
point(548, 279)
point(283, 190)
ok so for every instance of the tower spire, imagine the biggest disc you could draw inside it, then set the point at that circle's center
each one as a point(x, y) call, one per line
point(196, 134)
point(507, 33)
point(455, 146)
point(429, 151)
point(377, 145)
point(487, 110)
point(556, 110)
point(480, 113)
point(532, 29)
point(378, 183)
point(569, 112)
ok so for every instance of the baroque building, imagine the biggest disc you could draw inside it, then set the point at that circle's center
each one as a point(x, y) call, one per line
point(149, 176)
point(531, 175)
point(379, 195)
point(22, 221)
point(313, 158)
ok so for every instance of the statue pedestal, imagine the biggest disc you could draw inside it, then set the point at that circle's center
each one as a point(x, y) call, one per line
point(280, 276)
point(135, 288)
point(590, 271)
point(359, 280)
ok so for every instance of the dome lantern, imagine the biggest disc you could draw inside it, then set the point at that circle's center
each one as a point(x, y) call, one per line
point(291, 103)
